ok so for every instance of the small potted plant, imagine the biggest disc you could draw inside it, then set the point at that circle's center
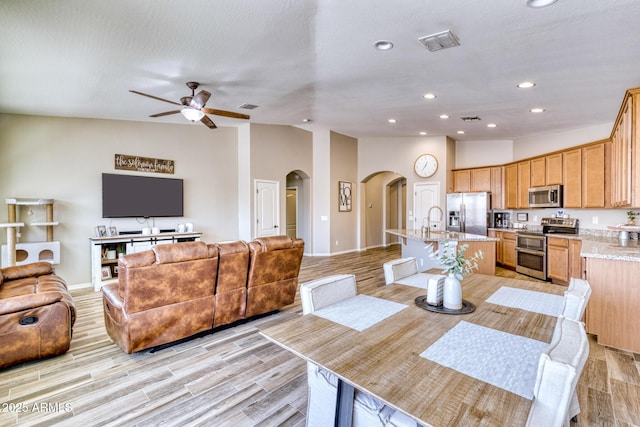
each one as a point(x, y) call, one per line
point(631, 217)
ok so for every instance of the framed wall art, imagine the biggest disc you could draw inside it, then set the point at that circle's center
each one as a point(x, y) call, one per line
point(344, 196)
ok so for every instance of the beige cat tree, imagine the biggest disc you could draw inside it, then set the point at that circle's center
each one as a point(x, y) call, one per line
point(14, 253)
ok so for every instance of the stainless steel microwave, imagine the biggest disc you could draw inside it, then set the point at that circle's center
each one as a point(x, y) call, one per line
point(545, 197)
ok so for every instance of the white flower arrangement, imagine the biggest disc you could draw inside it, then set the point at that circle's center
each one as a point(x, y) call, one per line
point(454, 264)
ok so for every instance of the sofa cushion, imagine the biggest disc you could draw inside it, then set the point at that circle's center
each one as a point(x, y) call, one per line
point(23, 271)
point(187, 251)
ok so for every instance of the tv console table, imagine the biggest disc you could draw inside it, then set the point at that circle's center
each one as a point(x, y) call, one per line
point(106, 250)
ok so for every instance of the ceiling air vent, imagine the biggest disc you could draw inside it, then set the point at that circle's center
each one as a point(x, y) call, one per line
point(439, 41)
point(247, 106)
point(470, 119)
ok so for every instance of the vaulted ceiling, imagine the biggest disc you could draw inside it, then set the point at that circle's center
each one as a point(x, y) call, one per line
point(315, 59)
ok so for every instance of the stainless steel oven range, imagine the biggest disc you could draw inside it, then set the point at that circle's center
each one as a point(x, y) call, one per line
point(531, 247)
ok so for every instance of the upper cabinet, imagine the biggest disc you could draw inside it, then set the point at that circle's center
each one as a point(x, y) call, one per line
point(553, 172)
point(596, 183)
point(538, 172)
point(472, 180)
point(572, 167)
point(524, 182)
point(625, 188)
point(497, 185)
point(511, 186)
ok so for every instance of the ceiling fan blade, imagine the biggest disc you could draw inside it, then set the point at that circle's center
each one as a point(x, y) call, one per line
point(200, 99)
point(166, 113)
point(154, 97)
point(225, 113)
point(207, 122)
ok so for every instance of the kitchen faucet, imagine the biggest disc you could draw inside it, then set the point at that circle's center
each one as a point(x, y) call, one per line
point(429, 216)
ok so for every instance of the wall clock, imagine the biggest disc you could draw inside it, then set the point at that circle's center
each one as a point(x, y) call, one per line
point(426, 165)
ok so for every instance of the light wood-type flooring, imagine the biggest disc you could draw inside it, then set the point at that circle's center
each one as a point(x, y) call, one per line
point(235, 377)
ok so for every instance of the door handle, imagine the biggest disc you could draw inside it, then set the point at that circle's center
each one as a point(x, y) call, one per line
point(275, 226)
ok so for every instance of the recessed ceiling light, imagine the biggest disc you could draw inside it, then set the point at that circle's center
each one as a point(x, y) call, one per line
point(392, 121)
point(423, 133)
point(525, 85)
point(540, 3)
point(491, 125)
point(444, 116)
point(429, 96)
point(461, 132)
point(383, 45)
point(537, 110)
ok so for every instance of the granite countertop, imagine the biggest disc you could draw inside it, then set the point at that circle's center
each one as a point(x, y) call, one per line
point(610, 248)
point(437, 236)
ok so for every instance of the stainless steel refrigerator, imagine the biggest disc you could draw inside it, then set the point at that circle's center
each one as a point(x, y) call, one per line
point(468, 212)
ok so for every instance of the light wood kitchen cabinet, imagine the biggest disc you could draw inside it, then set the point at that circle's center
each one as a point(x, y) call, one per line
point(576, 262)
point(472, 180)
point(481, 179)
point(554, 169)
point(538, 172)
point(511, 186)
point(558, 259)
point(497, 185)
point(524, 182)
point(572, 167)
point(595, 176)
point(612, 311)
point(625, 190)
point(509, 249)
point(462, 181)
point(498, 235)
point(563, 259)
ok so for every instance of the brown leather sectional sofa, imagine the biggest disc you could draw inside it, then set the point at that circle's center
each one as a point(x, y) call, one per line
point(36, 313)
point(176, 291)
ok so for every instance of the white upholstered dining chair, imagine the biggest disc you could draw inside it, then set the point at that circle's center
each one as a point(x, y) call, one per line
point(399, 269)
point(576, 298)
point(322, 384)
point(555, 400)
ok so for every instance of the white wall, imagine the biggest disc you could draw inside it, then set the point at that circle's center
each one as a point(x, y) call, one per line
point(344, 158)
point(63, 159)
point(546, 143)
point(470, 154)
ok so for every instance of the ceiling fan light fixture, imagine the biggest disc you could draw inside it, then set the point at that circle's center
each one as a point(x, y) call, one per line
point(540, 3)
point(192, 114)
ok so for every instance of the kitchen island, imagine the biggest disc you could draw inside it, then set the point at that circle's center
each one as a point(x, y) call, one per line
point(612, 268)
point(415, 244)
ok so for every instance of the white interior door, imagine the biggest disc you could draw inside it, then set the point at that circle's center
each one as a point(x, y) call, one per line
point(425, 196)
point(267, 208)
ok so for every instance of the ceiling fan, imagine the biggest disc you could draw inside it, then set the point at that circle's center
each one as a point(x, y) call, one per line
point(193, 107)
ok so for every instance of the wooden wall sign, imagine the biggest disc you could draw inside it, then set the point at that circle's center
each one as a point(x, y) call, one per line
point(143, 164)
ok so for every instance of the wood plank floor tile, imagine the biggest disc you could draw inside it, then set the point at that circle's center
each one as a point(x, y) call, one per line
point(234, 377)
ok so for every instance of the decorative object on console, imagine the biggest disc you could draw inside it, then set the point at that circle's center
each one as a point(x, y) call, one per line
point(101, 231)
point(113, 231)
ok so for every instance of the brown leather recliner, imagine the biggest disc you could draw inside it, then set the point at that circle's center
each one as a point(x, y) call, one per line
point(273, 273)
point(231, 286)
point(37, 313)
point(162, 295)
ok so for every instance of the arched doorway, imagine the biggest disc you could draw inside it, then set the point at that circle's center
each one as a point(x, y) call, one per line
point(384, 207)
point(298, 207)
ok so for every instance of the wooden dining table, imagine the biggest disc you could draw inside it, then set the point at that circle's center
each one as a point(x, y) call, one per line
point(385, 359)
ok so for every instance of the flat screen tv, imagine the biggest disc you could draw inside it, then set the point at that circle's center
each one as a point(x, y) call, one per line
point(126, 196)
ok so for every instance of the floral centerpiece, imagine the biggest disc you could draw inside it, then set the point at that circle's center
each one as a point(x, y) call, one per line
point(455, 264)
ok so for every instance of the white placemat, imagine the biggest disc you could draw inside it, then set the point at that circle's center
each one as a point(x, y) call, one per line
point(501, 359)
point(537, 302)
point(360, 312)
